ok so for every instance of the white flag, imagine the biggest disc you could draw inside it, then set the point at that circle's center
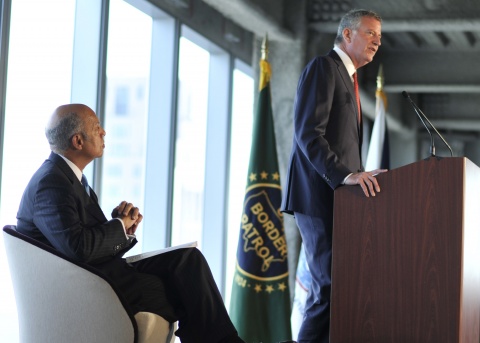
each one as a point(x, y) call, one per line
point(378, 154)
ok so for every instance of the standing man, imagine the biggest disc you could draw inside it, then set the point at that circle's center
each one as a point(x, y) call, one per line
point(58, 208)
point(326, 154)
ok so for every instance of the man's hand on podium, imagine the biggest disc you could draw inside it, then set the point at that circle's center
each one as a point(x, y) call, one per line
point(366, 180)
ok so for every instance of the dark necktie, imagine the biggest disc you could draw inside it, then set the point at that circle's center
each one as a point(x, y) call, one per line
point(85, 184)
point(357, 97)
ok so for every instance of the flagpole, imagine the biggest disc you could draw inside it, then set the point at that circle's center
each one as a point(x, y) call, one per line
point(265, 48)
point(380, 78)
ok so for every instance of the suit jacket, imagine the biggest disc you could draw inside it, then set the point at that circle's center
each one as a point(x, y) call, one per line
point(327, 138)
point(56, 210)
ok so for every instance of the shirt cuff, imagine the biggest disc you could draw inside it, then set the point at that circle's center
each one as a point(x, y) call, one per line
point(130, 239)
point(123, 226)
point(345, 179)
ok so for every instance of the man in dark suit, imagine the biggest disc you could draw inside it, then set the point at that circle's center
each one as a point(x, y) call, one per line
point(326, 153)
point(57, 209)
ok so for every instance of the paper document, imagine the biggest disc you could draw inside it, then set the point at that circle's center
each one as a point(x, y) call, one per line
point(135, 258)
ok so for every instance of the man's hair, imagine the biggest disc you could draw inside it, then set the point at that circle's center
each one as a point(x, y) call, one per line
point(59, 136)
point(352, 20)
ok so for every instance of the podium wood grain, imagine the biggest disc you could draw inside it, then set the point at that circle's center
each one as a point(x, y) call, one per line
point(406, 263)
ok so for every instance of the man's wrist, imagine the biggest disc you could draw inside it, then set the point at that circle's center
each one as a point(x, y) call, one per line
point(346, 177)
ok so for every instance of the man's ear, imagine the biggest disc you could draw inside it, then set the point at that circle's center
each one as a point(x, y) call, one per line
point(77, 141)
point(347, 35)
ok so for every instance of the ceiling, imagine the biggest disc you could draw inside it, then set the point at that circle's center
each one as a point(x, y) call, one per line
point(430, 48)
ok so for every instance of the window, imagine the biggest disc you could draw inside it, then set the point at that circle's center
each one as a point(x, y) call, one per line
point(166, 107)
point(190, 143)
point(39, 79)
point(122, 94)
point(126, 113)
point(241, 141)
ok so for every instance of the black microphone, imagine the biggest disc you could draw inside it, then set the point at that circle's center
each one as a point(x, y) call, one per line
point(424, 118)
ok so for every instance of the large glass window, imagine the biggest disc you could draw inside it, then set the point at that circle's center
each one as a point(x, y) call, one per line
point(181, 114)
point(190, 145)
point(126, 112)
point(241, 141)
point(39, 79)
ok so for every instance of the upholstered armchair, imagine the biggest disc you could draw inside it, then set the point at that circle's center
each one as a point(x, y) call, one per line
point(60, 300)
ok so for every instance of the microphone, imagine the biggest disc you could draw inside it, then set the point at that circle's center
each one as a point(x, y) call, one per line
point(424, 118)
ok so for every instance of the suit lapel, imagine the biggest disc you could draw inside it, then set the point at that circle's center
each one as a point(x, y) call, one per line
point(343, 72)
point(90, 203)
point(347, 81)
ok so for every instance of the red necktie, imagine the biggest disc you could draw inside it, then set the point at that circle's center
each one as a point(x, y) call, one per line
point(357, 97)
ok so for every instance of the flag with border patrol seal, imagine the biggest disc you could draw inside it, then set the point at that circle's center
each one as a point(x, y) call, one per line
point(260, 303)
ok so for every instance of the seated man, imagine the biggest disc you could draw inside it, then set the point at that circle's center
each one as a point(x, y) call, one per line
point(58, 209)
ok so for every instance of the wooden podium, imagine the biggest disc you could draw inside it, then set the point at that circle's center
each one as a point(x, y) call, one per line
point(406, 263)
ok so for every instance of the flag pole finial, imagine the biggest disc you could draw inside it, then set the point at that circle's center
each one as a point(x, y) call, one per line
point(265, 47)
point(380, 78)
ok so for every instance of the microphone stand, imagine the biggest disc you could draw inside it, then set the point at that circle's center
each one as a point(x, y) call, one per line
point(432, 141)
point(436, 131)
point(420, 114)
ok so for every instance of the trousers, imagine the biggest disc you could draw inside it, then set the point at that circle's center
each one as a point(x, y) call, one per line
point(179, 286)
point(316, 235)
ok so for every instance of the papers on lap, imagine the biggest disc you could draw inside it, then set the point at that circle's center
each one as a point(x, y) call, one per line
point(135, 258)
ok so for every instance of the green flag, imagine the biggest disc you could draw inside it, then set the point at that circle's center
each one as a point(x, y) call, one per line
point(260, 304)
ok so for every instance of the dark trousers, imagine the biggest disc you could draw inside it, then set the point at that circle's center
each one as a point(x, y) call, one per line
point(177, 285)
point(317, 241)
